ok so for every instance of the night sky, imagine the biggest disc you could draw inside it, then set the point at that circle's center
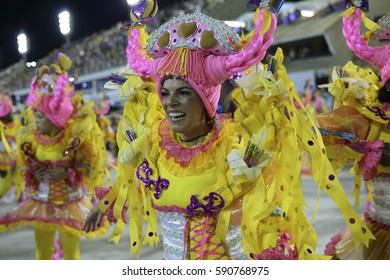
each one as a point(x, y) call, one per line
point(39, 21)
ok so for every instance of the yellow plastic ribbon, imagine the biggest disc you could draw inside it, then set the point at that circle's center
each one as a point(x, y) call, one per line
point(266, 19)
point(368, 23)
point(4, 139)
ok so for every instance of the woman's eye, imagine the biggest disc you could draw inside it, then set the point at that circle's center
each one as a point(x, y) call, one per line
point(184, 92)
point(164, 94)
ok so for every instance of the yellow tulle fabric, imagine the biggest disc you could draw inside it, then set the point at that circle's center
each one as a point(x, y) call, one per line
point(7, 154)
point(7, 131)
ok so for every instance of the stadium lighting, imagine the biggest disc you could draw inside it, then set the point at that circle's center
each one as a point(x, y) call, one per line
point(22, 43)
point(31, 64)
point(22, 46)
point(307, 13)
point(133, 2)
point(64, 21)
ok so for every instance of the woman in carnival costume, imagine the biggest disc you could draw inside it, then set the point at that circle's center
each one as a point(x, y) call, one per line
point(7, 159)
point(357, 131)
point(60, 160)
point(222, 188)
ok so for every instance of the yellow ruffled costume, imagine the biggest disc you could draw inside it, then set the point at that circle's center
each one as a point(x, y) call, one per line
point(7, 155)
point(63, 204)
point(252, 209)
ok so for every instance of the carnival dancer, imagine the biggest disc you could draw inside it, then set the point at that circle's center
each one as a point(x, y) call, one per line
point(357, 130)
point(84, 118)
point(7, 159)
point(58, 163)
point(222, 188)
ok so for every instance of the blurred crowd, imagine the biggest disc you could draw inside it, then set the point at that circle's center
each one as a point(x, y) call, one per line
point(101, 50)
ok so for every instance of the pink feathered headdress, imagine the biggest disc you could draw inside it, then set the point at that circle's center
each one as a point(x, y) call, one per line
point(200, 50)
point(378, 56)
point(5, 105)
point(50, 93)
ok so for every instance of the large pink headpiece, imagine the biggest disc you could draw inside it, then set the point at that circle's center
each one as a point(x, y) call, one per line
point(378, 56)
point(197, 48)
point(5, 105)
point(50, 92)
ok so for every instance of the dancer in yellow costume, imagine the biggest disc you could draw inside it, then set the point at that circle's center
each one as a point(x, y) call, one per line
point(222, 188)
point(60, 160)
point(357, 131)
point(7, 160)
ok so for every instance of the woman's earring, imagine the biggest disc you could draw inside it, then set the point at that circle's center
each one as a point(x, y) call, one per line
point(211, 121)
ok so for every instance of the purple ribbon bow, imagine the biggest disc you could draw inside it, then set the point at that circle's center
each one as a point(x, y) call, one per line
point(198, 208)
point(73, 145)
point(159, 184)
point(380, 113)
point(26, 148)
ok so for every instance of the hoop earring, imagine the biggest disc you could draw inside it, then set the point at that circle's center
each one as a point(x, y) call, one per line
point(211, 121)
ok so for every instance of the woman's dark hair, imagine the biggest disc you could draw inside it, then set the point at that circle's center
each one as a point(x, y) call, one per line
point(384, 93)
point(209, 121)
point(7, 119)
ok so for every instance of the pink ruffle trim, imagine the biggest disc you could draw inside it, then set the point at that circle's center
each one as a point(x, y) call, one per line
point(30, 211)
point(329, 248)
point(371, 158)
point(282, 251)
point(101, 192)
point(7, 220)
point(174, 209)
point(181, 154)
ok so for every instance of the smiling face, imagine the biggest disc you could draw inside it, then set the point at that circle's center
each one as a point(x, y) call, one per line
point(184, 109)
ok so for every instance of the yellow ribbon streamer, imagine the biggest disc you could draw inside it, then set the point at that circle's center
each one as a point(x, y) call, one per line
point(4, 139)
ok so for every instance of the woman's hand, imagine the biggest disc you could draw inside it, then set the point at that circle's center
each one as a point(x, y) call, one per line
point(94, 219)
point(57, 173)
point(39, 174)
